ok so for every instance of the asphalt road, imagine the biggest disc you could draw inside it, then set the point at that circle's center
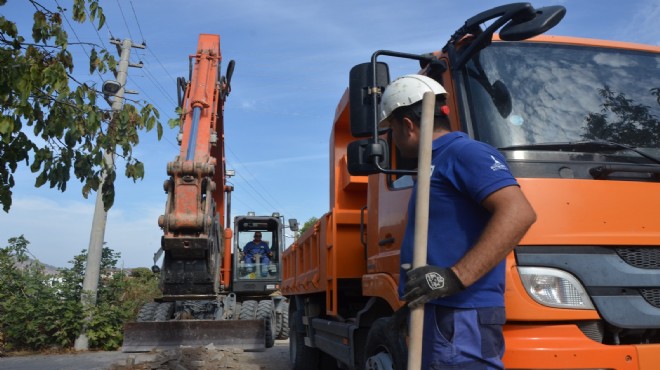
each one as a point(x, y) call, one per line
point(275, 358)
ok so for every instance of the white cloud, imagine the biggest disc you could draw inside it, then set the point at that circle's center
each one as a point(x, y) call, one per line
point(59, 230)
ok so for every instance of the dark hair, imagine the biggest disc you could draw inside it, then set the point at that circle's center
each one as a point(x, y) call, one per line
point(414, 113)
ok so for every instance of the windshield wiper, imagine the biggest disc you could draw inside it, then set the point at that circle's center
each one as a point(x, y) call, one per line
point(590, 146)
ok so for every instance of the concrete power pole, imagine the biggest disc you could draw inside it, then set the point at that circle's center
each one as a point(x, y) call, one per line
point(95, 250)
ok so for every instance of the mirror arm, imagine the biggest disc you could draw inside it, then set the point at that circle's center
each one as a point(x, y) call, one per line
point(376, 151)
point(505, 14)
point(375, 91)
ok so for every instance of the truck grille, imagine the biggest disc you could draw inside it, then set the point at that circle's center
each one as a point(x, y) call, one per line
point(644, 258)
point(652, 296)
point(622, 282)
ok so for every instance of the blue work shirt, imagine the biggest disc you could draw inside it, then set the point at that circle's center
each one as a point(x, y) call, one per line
point(463, 173)
point(252, 248)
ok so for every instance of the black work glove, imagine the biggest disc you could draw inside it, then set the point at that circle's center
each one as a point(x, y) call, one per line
point(427, 283)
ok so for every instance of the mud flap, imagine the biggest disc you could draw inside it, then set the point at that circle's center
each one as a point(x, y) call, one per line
point(159, 335)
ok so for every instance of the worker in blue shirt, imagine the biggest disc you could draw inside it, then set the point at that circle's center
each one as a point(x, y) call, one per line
point(477, 215)
point(255, 248)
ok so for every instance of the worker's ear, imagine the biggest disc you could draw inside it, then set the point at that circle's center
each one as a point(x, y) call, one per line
point(408, 125)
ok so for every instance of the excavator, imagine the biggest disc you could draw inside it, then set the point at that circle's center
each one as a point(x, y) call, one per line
point(210, 293)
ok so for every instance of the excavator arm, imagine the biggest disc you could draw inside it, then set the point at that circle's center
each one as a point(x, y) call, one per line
point(193, 240)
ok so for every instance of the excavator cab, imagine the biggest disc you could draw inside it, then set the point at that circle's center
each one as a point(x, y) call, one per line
point(258, 245)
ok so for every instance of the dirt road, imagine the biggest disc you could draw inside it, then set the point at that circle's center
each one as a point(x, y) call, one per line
point(276, 358)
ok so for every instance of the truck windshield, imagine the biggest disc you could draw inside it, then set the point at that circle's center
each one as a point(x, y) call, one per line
point(525, 95)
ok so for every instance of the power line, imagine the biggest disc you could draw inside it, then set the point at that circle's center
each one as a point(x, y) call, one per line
point(136, 21)
point(161, 65)
point(148, 73)
point(160, 87)
point(143, 91)
point(124, 18)
point(76, 36)
point(256, 180)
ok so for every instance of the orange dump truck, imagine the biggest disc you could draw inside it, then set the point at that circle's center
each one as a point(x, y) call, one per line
point(578, 121)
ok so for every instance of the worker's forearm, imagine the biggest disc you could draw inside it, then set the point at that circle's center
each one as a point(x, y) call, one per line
point(512, 216)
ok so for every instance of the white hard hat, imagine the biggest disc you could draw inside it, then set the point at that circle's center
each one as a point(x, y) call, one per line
point(406, 90)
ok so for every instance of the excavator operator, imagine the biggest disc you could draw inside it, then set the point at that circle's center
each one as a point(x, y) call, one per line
point(257, 251)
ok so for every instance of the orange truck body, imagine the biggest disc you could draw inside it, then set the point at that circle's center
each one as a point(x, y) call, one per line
point(343, 272)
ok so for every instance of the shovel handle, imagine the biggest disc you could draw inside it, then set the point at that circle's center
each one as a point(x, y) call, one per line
point(421, 224)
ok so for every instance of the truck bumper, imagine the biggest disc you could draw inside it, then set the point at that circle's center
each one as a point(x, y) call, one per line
point(566, 347)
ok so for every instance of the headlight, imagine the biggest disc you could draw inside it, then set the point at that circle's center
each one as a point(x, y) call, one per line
point(554, 288)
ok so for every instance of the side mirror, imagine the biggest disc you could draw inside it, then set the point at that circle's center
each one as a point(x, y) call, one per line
point(293, 224)
point(522, 28)
point(364, 108)
point(361, 154)
point(230, 71)
point(518, 21)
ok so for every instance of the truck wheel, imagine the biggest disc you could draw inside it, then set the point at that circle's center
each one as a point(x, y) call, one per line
point(164, 311)
point(147, 312)
point(301, 356)
point(386, 347)
point(266, 311)
point(248, 310)
point(283, 322)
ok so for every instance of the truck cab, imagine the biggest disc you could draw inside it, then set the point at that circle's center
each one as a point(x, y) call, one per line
point(578, 121)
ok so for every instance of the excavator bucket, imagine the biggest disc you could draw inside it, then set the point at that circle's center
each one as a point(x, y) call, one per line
point(161, 335)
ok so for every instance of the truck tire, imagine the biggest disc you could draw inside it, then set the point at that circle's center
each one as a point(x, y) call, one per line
point(248, 310)
point(283, 322)
point(386, 347)
point(301, 356)
point(147, 312)
point(266, 311)
point(164, 311)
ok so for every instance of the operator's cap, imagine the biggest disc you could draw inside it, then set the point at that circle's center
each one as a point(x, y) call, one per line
point(404, 91)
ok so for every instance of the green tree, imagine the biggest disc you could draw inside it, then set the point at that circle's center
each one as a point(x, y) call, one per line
point(40, 311)
point(33, 314)
point(309, 223)
point(141, 287)
point(68, 130)
point(119, 297)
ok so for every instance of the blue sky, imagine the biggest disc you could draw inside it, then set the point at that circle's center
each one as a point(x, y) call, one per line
point(292, 63)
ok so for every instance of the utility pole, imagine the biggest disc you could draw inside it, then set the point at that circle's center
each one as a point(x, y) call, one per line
point(95, 250)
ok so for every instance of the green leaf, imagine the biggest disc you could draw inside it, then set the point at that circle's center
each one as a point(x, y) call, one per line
point(41, 179)
point(93, 61)
point(40, 27)
point(6, 125)
point(101, 19)
point(79, 11)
